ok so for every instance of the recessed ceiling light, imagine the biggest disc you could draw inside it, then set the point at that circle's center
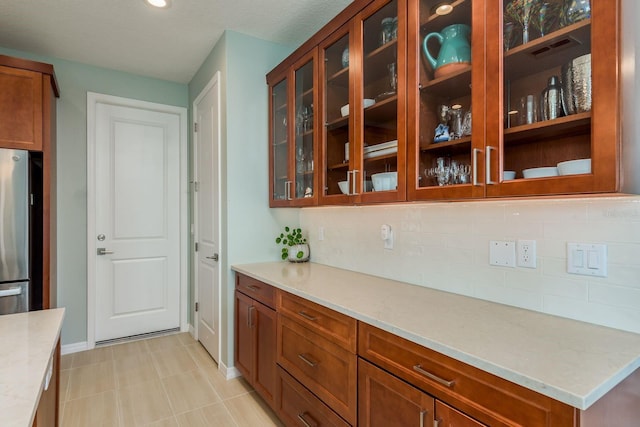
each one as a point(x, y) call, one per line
point(159, 3)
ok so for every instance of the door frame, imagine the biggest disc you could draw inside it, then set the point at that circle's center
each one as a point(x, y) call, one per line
point(215, 81)
point(94, 98)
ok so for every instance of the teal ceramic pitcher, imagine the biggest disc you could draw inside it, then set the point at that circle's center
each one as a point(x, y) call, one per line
point(455, 49)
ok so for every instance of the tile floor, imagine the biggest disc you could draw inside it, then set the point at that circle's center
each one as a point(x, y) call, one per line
point(169, 381)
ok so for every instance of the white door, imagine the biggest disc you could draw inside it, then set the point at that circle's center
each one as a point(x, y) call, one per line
point(206, 113)
point(137, 221)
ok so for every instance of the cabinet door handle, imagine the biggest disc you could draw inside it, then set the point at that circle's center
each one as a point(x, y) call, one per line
point(288, 191)
point(475, 165)
point(303, 417)
point(307, 316)
point(306, 359)
point(254, 288)
point(418, 368)
point(436, 423)
point(349, 183)
point(422, 414)
point(354, 184)
point(488, 165)
point(250, 311)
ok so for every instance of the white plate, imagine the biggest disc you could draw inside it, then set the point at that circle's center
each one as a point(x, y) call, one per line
point(540, 172)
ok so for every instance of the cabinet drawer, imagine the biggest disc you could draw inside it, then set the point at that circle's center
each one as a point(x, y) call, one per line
point(256, 289)
point(332, 325)
point(297, 406)
point(481, 395)
point(327, 369)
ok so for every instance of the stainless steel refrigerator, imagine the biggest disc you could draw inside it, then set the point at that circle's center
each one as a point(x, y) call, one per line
point(14, 231)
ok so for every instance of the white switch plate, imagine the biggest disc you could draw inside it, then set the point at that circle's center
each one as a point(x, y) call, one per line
point(320, 233)
point(502, 253)
point(587, 259)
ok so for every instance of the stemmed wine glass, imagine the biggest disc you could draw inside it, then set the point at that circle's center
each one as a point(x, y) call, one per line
point(521, 11)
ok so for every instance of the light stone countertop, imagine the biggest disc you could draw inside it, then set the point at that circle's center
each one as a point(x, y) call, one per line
point(573, 362)
point(27, 343)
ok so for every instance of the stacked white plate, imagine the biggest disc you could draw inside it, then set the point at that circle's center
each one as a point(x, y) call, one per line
point(378, 150)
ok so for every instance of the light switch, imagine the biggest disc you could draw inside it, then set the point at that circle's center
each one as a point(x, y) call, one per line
point(587, 259)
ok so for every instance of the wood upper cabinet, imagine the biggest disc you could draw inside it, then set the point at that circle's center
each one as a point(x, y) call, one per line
point(20, 109)
point(363, 106)
point(505, 109)
point(255, 339)
point(292, 138)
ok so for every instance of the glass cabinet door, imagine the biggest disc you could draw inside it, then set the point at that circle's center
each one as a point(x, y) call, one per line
point(379, 166)
point(335, 59)
point(558, 111)
point(280, 167)
point(446, 99)
point(304, 133)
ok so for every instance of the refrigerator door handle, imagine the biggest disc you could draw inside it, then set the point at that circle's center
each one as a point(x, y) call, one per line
point(104, 251)
point(10, 292)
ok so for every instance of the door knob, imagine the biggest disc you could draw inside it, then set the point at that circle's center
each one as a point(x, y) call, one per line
point(214, 257)
point(104, 251)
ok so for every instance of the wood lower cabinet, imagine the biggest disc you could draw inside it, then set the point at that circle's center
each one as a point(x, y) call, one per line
point(480, 395)
point(255, 339)
point(47, 414)
point(297, 406)
point(385, 400)
point(317, 346)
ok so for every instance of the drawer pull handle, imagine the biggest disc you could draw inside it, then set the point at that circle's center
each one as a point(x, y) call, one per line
point(254, 288)
point(307, 316)
point(308, 360)
point(311, 423)
point(418, 368)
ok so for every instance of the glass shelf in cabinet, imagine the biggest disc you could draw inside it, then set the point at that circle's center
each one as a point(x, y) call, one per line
point(281, 143)
point(552, 50)
point(451, 86)
point(576, 124)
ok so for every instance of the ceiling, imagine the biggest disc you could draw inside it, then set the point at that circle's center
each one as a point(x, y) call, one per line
point(169, 44)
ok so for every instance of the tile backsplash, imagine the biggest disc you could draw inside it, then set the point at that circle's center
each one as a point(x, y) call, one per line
point(446, 246)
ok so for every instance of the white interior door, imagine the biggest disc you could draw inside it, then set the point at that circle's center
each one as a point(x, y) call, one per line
point(137, 221)
point(206, 174)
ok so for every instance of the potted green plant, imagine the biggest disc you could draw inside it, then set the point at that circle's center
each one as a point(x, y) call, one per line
point(294, 246)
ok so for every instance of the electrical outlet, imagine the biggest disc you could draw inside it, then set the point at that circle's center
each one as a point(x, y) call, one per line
point(320, 233)
point(526, 253)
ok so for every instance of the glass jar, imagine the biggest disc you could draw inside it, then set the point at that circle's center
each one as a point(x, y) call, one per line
point(386, 33)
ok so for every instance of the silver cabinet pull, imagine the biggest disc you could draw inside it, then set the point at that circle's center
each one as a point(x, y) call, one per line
point(307, 316)
point(250, 311)
point(488, 165)
point(302, 417)
point(104, 251)
point(422, 414)
point(306, 359)
point(214, 257)
point(418, 368)
point(354, 183)
point(475, 165)
point(254, 288)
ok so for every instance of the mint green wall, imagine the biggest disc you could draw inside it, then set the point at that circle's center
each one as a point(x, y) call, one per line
point(75, 80)
point(249, 226)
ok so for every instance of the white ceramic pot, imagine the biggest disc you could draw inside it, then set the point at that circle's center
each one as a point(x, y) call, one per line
point(299, 253)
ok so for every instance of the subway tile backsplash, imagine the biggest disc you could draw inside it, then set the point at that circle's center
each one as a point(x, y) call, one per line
point(446, 246)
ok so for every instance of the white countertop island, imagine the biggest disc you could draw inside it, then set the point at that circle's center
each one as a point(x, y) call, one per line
point(27, 343)
point(573, 362)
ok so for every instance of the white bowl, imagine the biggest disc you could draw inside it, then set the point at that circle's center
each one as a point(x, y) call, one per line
point(344, 187)
point(508, 175)
point(540, 172)
point(367, 102)
point(574, 167)
point(385, 181)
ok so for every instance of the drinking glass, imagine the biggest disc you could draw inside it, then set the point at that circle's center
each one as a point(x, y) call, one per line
point(521, 11)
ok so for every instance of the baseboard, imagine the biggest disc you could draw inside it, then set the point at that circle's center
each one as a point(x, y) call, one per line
point(74, 348)
point(192, 332)
point(228, 373)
